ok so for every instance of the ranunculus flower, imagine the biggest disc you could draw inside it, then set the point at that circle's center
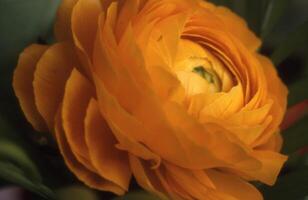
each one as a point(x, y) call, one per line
point(170, 92)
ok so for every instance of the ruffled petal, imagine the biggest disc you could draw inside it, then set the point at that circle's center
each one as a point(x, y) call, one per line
point(87, 176)
point(278, 93)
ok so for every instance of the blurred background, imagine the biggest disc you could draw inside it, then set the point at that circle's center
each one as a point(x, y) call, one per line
point(30, 164)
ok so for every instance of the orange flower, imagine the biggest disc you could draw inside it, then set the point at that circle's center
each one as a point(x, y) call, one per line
point(171, 92)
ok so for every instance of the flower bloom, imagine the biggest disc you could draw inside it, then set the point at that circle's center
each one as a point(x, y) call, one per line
point(170, 92)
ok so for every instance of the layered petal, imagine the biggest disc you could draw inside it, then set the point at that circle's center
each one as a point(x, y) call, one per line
point(62, 26)
point(78, 92)
point(233, 186)
point(87, 176)
point(23, 87)
point(51, 74)
point(110, 162)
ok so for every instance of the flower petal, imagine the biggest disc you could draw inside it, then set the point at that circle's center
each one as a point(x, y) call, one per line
point(78, 92)
point(50, 77)
point(62, 27)
point(110, 162)
point(22, 83)
point(272, 163)
point(84, 174)
point(234, 186)
point(146, 177)
point(235, 25)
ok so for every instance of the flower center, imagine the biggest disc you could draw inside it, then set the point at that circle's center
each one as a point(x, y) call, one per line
point(199, 70)
point(209, 75)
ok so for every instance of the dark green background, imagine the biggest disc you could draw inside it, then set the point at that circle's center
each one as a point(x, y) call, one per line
point(31, 159)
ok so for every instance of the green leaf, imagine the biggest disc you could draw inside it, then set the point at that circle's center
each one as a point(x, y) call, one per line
point(22, 23)
point(296, 136)
point(298, 89)
point(14, 154)
point(275, 9)
point(294, 41)
point(76, 193)
point(254, 14)
point(11, 173)
point(291, 186)
point(137, 195)
point(227, 3)
point(239, 7)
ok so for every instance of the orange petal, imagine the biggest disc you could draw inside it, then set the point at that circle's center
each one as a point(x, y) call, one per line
point(235, 25)
point(278, 93)
point(22, 83)
point(272, 163)
point(84, 23)
point(146, 177)
point(110, 162)
point(273, 144)
point(85, 175)
point(186, 180)
point(50, 77)
point(123, 126)
point(84, 27)
point(78, 92)
point(62, 27)
point(199, 141)
point(225, 105)
point(233, 186)
point(128, 10)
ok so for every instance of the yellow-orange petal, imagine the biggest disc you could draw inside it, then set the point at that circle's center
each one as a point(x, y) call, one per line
point(273, 144)
point(186, 180)
point(62, 27)
point(110, 162)
point(78, 92)
point(50, 77)
point(234, 186)
point(225, 105)
point(278, 92)
point(22, 84)
point(272, 163)
point(87, 176)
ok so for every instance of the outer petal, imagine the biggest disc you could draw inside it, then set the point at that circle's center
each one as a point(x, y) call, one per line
point(235, 25)
point(84, 27)
point(87, 176)
point(62, 27)
point(185, 179)
point(234, 186)
point(146, 177)
point(111, 163)
point(22, 83)
point(272, 163)
point(84, 23)
point(278, 93)
point(50, 77)
point(78, 92)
